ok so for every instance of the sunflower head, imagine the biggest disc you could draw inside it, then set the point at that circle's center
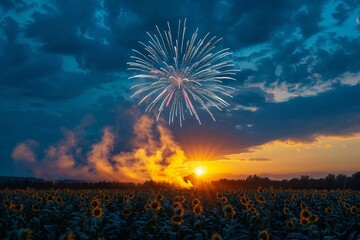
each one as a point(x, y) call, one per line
point(286, 211)
point(49, 198)
point(126, 212)
point(353, 209)
point(264, 235)
point(155, 205)
point(304, 221)
point(97, 212)
point(314, 218)
point(229, 211)
point(35, 208)
point(59, 200)
point(70, 235)
point(328, 210)
point(195, 202)
point(159, 197)
point(176, 205)
point(294, 197)
point(18, 207)
point(305, 214)
point(215, 236)
point(197, 209)
point(95, 203)
point(177, 220)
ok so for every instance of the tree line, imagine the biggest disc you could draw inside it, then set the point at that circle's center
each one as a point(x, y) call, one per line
point(331, 181)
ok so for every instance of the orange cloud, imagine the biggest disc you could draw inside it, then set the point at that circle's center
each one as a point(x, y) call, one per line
point(155, 155)
point(24, 151)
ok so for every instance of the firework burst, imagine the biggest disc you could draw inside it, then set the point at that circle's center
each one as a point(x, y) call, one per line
point(179, 72)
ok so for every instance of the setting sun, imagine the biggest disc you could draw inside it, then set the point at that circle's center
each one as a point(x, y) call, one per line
point(199, 171)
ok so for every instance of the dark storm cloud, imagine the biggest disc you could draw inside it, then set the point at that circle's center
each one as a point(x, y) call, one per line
point(48, 128)
point(16, 5)
point(343, 9)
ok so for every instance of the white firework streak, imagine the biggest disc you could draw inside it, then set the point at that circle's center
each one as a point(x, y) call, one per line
point(179, 72)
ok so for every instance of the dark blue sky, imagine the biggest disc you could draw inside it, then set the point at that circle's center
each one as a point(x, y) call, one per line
point(63, 68)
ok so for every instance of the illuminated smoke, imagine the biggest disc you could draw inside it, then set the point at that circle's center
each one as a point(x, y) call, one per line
point(155, 155)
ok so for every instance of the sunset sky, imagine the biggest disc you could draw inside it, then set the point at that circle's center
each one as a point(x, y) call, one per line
point(65, 100)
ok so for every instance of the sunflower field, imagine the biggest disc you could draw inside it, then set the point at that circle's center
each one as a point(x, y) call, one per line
point(179, 214)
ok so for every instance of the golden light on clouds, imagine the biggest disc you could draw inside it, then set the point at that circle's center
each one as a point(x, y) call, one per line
point(328, 154)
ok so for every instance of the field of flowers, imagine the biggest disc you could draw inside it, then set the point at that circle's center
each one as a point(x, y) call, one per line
point(179, 214)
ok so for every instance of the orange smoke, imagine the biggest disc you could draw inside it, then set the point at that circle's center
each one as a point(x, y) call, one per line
point(155, 155)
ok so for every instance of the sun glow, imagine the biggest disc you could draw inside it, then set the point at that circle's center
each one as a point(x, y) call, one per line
point(199, 171)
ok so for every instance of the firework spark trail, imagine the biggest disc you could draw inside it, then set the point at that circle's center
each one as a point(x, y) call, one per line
point(179, 72)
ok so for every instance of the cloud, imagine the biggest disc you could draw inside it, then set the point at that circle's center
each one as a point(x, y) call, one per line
point(239, 157)
point(25, 151)
point(154, 155)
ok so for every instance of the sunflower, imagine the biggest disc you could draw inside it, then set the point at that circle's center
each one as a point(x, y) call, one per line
point(97, 212)
point(18, 207)
point(35, 208)
point(197, 209)
point(328, 210)
point(215, 236)
point(177, 220)
point(303, 206)
point(224, 200)
point(126, 212)
point(195, 202)
point(155, 205)
point(39, 200)
point(176, 205)
point(304, 221)
point(260, 199)
point(286, 211)
point(107, 198)
point(243, 200)
point(294, 197)
point(95, 203)
point(264, 235)
point(70, 235)
point(314, 218)
point(347, 206)
point(159, 197)
point(219, 196)
point(250, 204)
point(49, 198)
point(353, 210)
point(229, 211)
point(59, 200)
point(253, 210)
point(305, 214)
